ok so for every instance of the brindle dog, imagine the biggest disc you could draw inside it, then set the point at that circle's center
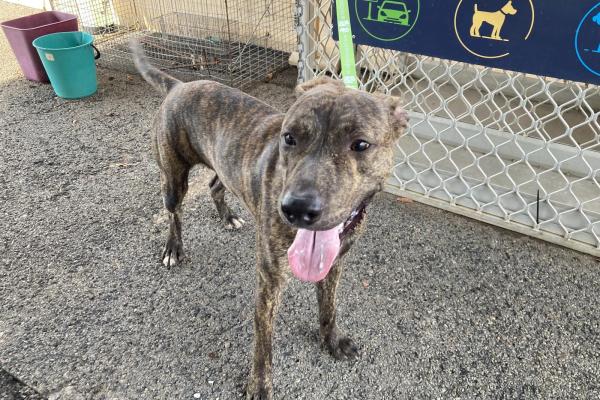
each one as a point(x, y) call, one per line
point(306, 176)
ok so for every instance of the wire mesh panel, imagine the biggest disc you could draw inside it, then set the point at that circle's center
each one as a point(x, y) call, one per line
point(515, 150)
point(233, 41)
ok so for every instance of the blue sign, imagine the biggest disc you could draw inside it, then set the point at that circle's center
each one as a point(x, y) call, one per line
point(555, 38)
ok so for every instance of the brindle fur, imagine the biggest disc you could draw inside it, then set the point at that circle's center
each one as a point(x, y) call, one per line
point(240, 139)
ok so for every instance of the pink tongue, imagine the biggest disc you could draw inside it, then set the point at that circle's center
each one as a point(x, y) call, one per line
point(313, 252)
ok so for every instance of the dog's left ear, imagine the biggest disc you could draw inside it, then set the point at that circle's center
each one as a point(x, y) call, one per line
point(398, 117)
point(322, 82)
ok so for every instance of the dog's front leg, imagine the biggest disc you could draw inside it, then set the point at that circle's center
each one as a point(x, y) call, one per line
point(498, 27)
point(271, 281)
point(495, 33)
point(339, 345)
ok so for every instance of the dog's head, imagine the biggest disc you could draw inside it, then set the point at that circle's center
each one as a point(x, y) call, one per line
point(509, 9)
point(336, 147)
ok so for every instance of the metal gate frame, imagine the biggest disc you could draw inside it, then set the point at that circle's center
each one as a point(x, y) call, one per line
point(514, 150)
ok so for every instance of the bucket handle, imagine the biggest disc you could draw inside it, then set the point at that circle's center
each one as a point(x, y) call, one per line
point(97, 55)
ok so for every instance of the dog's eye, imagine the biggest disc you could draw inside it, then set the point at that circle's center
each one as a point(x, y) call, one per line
point(359, 145)
point(289, 139)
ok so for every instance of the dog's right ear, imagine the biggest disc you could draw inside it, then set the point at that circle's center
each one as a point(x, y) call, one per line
point(397, 114)
point(322, 82)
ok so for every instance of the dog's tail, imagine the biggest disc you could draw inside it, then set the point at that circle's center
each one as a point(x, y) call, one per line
point(158, 79)
point(476, 10)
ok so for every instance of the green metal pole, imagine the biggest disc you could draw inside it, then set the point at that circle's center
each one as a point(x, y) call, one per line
point(345, 43)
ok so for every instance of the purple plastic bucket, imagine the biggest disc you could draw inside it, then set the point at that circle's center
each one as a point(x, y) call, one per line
point(21, 32)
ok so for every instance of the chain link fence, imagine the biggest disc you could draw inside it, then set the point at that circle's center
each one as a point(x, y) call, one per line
point(515, 150)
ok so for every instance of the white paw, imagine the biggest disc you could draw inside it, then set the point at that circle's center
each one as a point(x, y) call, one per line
point(169, 261)
point(236, 223)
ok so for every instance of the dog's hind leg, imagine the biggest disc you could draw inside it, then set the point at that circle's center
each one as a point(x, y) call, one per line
point(217, 191)
point(174, 184)
point(339, 345)
point(475, 27)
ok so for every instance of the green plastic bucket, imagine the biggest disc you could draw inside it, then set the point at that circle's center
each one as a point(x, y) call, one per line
point(68, 59)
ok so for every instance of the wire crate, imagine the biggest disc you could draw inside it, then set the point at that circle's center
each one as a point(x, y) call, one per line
point(235, 42)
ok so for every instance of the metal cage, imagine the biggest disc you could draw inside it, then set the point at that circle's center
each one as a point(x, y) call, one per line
point(231, 41)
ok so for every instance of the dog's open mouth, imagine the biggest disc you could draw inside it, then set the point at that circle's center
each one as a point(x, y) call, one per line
point(313, 253)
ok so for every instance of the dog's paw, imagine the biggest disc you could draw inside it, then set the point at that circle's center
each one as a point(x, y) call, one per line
point(172, 254)
point(260, 395)
point(256, 391)
point(234, 222)
point(342, 347)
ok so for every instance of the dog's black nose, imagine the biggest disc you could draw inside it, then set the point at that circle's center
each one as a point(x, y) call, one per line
point(303, 210)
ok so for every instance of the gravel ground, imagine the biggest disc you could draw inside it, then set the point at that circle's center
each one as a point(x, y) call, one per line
point(442, 306)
